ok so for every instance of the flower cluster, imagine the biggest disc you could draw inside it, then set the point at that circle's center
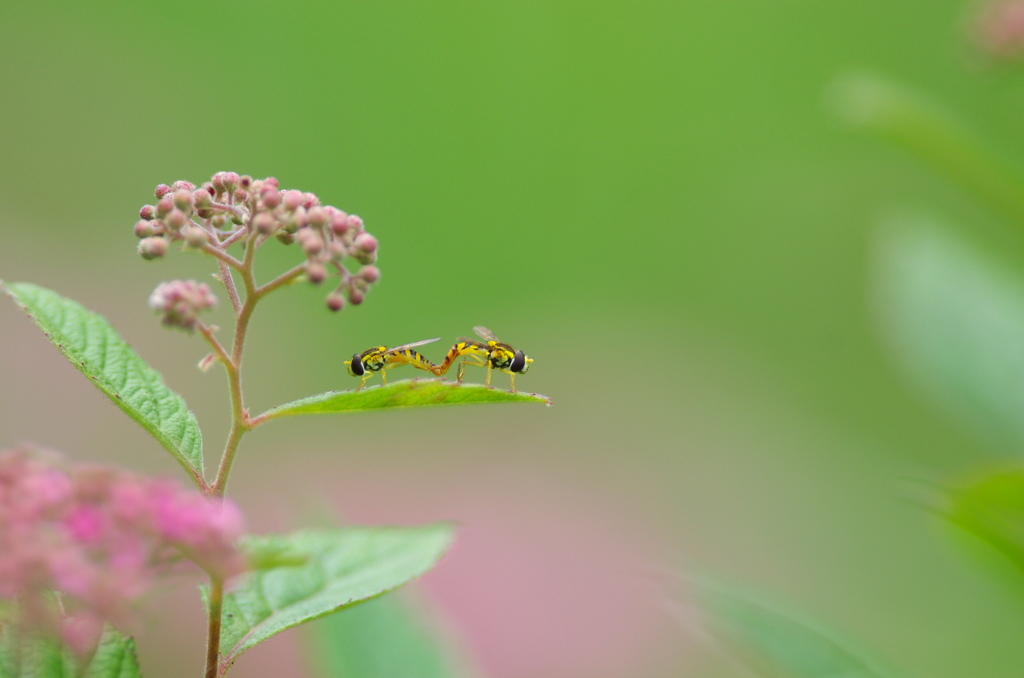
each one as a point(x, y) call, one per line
point(99, 537)
point(231, 208)
point(1000, 29)
point(181, 301)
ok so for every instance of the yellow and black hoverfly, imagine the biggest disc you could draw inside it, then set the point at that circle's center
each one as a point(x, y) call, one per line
point(489, 353)
point(381, 358)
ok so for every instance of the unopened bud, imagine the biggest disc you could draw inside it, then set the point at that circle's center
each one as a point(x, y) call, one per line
point(366, 242)
point(312, 245)
point(152, 248)
point(147, 212)
point(175, 220)
point(310, 200)
point(241, 195)
point(293, 200)
point(337, 250)
point(318, 216)
point(206, 363)
point(335, 301)
point(355, 222)
point(339, 222)
point(195, 237)
point(315, 272)
point(164, 205)
point(370, 274)
point(161, 190)
point(181, 302)
point(143, 228)
point(271, 199)
point(202, 198)
point(355, 297)
point(182, 185)
point(229, 180)
point(265, 223)
point(284, 237)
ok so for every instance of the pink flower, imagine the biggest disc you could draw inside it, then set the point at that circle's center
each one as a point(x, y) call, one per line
point(101, 537)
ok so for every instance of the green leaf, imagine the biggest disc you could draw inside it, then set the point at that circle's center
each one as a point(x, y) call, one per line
point(955, 320)
point(409, 393)
point(992, 509)
point(98, 352)
point(908, 119)
point(776, 644)
point(40, 657)
point(383, 638)
point(342, 567)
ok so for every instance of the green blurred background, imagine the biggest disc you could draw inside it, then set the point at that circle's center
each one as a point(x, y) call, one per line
point(652, 199)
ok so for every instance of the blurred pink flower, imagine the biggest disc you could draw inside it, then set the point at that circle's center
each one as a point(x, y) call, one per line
point(100, 537)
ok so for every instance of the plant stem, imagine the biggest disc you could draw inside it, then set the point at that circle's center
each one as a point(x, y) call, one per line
point(216, 605)
point(280, 280)
point(229, 284)
point(239, 416)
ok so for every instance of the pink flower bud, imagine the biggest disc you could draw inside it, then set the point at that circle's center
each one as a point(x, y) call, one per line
point(355, 222)
point(339, 222)
point(143, 228)
point(195, 237)
point(318, 216)
point(366, 242)
point(315, 272)
point(312, 245)
point(230, 180)
point(370, 274)
point(355, 296)
point(182, 199)
point(161, 190)
point(202, 198)
point(182, 185)
point(293, 200)
point(271, 199)
point(265, 223)
point(310, 200)
point(147, 212)
point(176, 219)
point(181, 301)
point(164, 205)
point(338, 250)
point(335, 301)
point(152, 248)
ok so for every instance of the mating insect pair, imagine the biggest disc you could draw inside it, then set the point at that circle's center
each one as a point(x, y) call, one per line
point(489, 353)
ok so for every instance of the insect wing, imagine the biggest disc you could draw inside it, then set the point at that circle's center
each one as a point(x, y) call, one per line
point(414, 344)
point(484, 333)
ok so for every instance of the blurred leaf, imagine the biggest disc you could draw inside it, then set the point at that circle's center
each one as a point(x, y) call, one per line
point(343, 567)
point(409, 393)
point(777, 644)
point(908, 119)
point(40, 657)
point(955, 321)
point(382, 638)
point(98, 352)
point(992, 509)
